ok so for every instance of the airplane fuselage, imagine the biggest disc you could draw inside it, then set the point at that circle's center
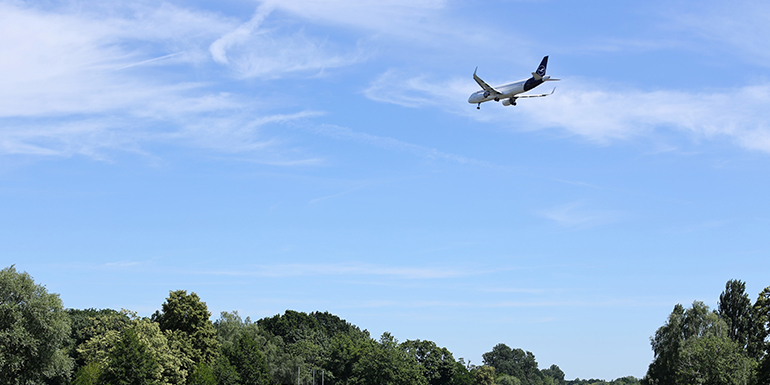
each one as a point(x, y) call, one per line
point(507, 90)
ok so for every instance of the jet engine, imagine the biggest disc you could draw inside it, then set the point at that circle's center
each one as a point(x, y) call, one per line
point(509, 102)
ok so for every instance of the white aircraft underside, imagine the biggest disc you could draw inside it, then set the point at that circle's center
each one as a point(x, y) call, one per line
point(508, 93)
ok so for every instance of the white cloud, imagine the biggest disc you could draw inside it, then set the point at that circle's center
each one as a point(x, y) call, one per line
point(82, 82)
point(587, 109)
point(251, 51)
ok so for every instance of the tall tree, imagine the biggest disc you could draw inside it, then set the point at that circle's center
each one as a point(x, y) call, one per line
point(188, 318)
point(736, 309)
point(762, 319)
point(33, 331)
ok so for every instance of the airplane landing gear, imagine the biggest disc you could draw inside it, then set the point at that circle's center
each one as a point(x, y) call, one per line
point(478, 107)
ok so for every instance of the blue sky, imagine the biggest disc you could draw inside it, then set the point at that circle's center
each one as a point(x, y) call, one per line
point(321, 155)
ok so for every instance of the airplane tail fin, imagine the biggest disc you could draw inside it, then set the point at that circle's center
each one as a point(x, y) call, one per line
point(540, 73)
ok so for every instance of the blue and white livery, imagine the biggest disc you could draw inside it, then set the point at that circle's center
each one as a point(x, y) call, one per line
point(508, 93)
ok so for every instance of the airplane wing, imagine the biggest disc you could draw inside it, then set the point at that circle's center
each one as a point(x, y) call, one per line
point(534, 95)
point(484, 84)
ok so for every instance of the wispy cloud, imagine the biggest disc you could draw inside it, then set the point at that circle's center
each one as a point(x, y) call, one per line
point(343, 269)
point(580, 107)
point(344, 133)
point(251, 51)
point(576, 215)
point(71, 84)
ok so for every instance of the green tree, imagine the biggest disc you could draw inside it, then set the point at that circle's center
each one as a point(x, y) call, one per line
point(88, 323)
point(736, 309)
point(484, 375)
point(33, 332)
point(88, 374)
point(514, 362)
point(687, 346)
point(172, 362)
point(713, 359)
point(224, 372)
point(130, 362)
point(555, 373)
point(762, 320)
point(438, 365)
point(202, 374)
point(386, 363)
point(505, 379)
point(188, 318)
point(248, 360)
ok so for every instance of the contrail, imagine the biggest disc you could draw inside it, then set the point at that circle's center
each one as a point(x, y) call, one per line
point(148, 61)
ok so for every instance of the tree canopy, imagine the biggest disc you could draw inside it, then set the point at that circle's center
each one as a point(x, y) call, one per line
point(33, 332)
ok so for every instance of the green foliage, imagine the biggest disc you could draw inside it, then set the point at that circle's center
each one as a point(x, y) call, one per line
point(88, 374)
point(386, 363)
point(693, 346)
point(172, 362)
point(130, 362)
point(224, 372)
point(462, 374)
point(202, 374)
point(555, 373)
point(713, 359)
point(33, 332)
point(438, 365)
point(514, 362)
point(484, 375)
point(89, 323)
point(505, 379)
point(736, 309)
point(248, 360)
point(188, 318)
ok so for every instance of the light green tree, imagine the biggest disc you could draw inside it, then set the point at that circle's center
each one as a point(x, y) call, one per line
point(33, 332)
point(171, 360)
point(484, 375)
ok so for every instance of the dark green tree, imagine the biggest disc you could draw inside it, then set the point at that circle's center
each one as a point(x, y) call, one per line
point(386, 363)
point(462, 374)
point(736, 309)
point(130, 362)
point(555, 373)
point(514, 362)
point(438, 365)
point(224, 372)
point(248, 360)
point(762, 319)
point(34, 330)
point(188, 318)
point(202, 374)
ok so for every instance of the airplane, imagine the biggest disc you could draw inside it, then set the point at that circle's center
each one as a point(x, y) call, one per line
point(508, 93)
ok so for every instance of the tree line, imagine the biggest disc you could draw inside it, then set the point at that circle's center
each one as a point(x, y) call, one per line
point(41, 342)
point(698, 345)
